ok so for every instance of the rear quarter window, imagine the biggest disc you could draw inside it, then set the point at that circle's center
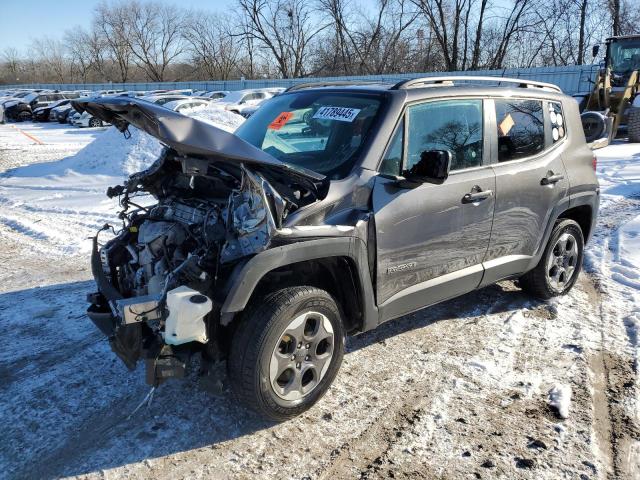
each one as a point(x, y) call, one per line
point(557, 121)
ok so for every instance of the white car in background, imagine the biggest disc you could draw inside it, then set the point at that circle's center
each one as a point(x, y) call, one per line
point(85, 119)
point(241, 100)
point(215, 95)
point(187, 104)
point(163, 98)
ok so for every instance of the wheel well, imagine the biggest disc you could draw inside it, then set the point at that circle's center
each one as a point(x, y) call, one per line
point(581, 215)
point(336, 275)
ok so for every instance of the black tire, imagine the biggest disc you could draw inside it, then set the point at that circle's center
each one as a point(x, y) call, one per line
point(593, 125)
point(95, 122)
point(633, 124)
point(537, 282)
point(23, 117)
point(253, 344)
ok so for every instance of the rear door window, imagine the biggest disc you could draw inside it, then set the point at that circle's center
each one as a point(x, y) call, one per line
point(520, 125)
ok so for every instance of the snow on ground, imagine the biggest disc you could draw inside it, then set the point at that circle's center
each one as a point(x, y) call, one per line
point(459, 390)
point(63, 202)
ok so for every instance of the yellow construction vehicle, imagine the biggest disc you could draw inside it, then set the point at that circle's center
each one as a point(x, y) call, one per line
point(613, 105)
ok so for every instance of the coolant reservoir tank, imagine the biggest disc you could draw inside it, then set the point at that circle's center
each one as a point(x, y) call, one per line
point(187, 309)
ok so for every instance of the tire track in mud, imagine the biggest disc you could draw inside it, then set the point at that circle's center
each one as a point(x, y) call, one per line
point(615, 381)
point(368, 456)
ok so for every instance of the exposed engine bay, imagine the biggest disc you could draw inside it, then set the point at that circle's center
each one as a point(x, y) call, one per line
point(160, 277)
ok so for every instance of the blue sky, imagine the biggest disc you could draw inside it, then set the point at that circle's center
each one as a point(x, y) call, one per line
point(23, 20)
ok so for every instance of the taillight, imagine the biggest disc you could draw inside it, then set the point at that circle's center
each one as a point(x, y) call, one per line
point(594, 162)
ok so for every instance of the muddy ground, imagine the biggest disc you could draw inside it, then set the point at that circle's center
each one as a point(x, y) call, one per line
point(459, 390)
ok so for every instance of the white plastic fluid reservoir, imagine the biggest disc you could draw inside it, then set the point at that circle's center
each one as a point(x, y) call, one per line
point(187, 309)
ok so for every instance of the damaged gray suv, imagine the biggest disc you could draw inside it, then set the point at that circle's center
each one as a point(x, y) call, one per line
point(332, 209)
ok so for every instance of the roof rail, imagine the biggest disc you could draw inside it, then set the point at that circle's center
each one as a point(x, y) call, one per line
point(450, 81)
point(336, 83)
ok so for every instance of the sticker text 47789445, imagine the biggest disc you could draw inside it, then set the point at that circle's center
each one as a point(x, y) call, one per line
point(342, 114)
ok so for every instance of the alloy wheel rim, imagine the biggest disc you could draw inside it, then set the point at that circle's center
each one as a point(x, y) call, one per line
point(301, 356)
point(562, 262)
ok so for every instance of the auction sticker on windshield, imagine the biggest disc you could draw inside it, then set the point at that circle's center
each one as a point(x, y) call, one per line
point(342, 114)
point(280, 120)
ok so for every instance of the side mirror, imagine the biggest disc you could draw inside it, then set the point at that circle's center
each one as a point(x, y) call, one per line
point(433, 167)
point(595, 50)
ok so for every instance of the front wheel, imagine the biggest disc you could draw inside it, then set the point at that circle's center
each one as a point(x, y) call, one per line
point(560, 264)
point(23, 117)
point(95, 122)
point(286, 352)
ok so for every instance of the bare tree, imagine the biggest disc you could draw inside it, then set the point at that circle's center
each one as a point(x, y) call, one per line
point(154, 35)
point(614, 11)
point(78, 44)
point(50, 55)
point(214, 48)
point(12, 62)
point(369, 44)
point(111, 24)
point(285, 29)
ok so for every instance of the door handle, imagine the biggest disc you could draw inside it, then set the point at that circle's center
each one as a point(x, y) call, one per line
point(476, 196)
point(550, 179)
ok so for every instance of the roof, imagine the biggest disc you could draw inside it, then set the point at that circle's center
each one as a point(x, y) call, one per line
point(624, 37)
point(442, 87)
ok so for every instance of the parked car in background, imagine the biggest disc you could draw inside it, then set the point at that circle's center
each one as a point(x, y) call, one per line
point(215, 95)
point(106, 92)
point(274, 91)
point(163, 98)
point(43, 114)
point(187, 104)
point(61, 113)
point(250, 110)
point(184, 91)
point(85, 119)
point(22, 109)
point(240, 100)
point(131, 93)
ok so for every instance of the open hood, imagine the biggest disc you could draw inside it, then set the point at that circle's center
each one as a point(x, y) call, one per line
point(191, 137)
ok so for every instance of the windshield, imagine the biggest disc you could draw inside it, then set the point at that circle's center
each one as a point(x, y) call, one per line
point(624, 56)
point(30, 97)
point(320, 131)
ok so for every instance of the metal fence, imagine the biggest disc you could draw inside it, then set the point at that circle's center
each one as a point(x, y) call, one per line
point(576, 79)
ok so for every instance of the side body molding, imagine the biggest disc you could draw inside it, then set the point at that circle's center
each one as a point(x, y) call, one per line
point(247, 276)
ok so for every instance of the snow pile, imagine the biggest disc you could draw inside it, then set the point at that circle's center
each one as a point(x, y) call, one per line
point(626, 270)
point(560, 399)
point(109, 154)
point(63, 202)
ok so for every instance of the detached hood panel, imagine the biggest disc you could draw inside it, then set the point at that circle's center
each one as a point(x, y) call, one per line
point(189, 136)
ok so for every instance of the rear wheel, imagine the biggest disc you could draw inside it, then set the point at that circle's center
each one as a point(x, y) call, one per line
point(633, 124)
point(95, 122)
point(286, 352)
point(560, 264)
